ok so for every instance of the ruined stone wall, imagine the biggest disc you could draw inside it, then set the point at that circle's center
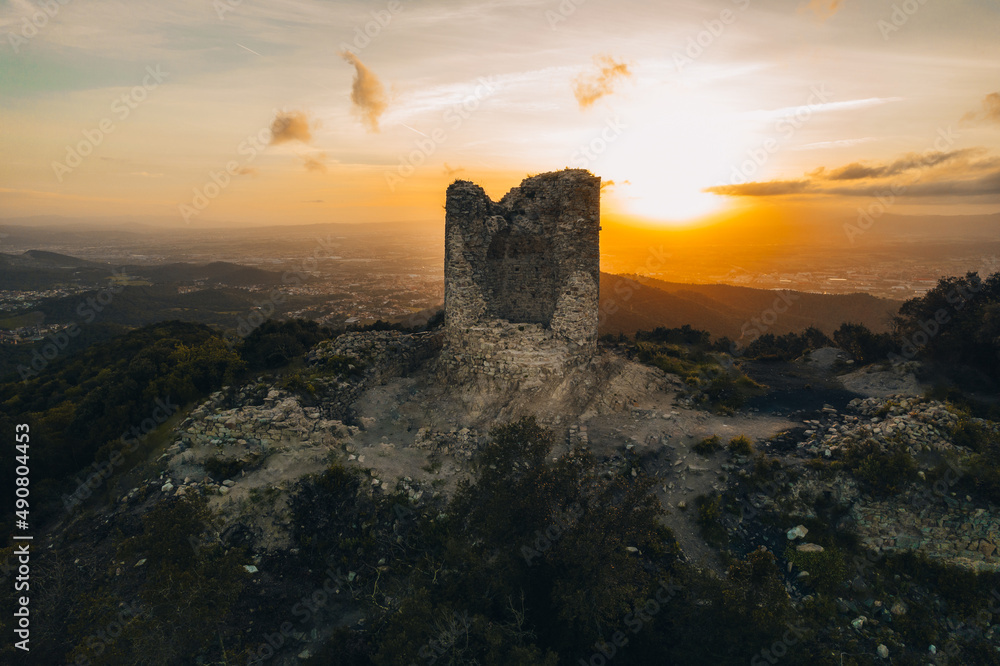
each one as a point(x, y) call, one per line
point(522, 274)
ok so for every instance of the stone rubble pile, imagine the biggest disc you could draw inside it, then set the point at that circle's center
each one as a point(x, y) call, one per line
point(462, 442)
point(256, 427)
point(245, 435)
point(380, 353)
point(956, 532)
point(927, 518)
point(920, 423)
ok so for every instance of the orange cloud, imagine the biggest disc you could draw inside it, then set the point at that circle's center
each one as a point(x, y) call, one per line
point(990, 112)
point(824, 9)
point(290, 126)
point(953, 173)
point(317, 163)
point(367, 92)
point(588, 88)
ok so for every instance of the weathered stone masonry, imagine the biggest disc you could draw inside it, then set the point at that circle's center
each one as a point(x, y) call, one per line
point(522, 275)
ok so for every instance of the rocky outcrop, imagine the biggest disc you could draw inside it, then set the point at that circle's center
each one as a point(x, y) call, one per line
point(921, 423)
point(941, 527)
point(926, 517)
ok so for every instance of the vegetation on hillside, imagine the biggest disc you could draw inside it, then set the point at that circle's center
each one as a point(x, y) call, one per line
point(534, 560)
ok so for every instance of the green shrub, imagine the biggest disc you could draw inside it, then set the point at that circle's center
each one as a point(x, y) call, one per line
point(882, 470)
point(217, 468)
point(710, 519)
point(343, 366)
point(294, 383)
point(708, 446)
point(827, 569)
point(741, 445)
point(971, 435)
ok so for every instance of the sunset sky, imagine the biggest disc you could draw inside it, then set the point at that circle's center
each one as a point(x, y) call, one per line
point(690, 108)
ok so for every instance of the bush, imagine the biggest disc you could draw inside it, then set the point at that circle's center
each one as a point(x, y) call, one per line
point(221, 469)
point(343, 366)
point(710, 519)
point(883, 471)
point(294, 383)
point(276, 343)
point(741, 445)
point(971, 435)
point(827, 569)
point(708, 446)
point(866, 347)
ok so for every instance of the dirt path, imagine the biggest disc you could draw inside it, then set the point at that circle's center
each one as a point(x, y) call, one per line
point(634, 409)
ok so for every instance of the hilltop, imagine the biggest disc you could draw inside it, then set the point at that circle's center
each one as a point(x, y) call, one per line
point(633, 302)
point(355, 463)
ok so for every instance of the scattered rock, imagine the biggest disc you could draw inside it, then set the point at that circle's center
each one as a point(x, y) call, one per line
point(797, 532)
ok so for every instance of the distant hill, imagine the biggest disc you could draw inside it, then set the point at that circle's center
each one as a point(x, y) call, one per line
point(143, 305)
point(630, 303)
point(42, 258)
point(37, 269)
point(219, 272)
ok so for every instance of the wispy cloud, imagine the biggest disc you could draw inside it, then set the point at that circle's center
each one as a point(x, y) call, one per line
point(367, 92)
point(909, 162)
point(765, 115)
point(315, 163)
point(840, 143)
point(290, 126)
point(42, 194)
point(592, 86)
point(990, 112)
point(966, 172)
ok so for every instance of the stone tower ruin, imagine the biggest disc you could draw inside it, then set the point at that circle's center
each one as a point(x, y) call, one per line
point(522, 275)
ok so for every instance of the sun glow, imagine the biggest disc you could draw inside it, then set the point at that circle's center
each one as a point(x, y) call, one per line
point(672, 149)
